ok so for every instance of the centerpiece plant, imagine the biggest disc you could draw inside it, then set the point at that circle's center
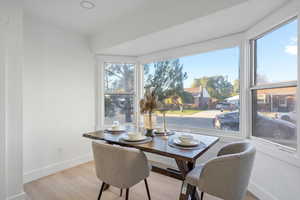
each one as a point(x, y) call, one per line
point(148, 106)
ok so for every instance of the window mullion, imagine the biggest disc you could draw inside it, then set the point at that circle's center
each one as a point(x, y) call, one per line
point(298, 91)
point(138, 91)
point(100, 98)
point(275, 85)
point(245, 77)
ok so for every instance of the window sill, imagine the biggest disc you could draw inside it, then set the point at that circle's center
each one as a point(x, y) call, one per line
point(224, 135)
point(279, 152)
point(276, 151)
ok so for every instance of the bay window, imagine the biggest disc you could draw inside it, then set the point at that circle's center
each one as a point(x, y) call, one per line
point(201, 92)
point(274, 85)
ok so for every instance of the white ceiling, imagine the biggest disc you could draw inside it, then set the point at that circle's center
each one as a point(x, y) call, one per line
point(69, 15)
point(225, 22)
point(138, 27)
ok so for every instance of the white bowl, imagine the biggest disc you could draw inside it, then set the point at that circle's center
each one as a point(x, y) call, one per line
point(134, 135)
point(186, 138)
point(115, 128)
point(160, 130)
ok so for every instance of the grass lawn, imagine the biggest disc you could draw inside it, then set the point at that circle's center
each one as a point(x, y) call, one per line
point(185, 112)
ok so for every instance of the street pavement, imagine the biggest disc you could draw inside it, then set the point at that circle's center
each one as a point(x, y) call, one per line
point(187, 122)
point(201, 114)
point(203, 119)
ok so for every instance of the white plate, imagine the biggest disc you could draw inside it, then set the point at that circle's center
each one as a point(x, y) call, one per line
point(161, 131)
point(192, 143)
point(115, 130)
point(143, 137)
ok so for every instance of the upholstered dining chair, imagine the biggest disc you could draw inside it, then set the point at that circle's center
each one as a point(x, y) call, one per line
point(121, 167)
point(227, 175)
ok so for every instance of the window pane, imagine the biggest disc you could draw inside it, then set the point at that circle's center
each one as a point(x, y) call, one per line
point(205, 87)
point(119, 108)
point(277, 55)
point(119, 78)
point(275, 115)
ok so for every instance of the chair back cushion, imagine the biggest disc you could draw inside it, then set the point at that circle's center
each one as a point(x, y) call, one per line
point(119, 166)
point(227, 176)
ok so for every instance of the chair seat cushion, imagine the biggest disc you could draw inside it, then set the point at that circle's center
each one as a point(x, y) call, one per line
point(192, 177)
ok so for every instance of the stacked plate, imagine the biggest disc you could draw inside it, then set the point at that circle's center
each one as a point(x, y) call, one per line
point(160, 132)
point(134, 138)
point(115, 130)
point(186, 141)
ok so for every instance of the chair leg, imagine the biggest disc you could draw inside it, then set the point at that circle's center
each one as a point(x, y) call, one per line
point(101, 190)
point(127, 193)
point(194, 193)
point(121, 192)
point(202, 194)
point(147, 188)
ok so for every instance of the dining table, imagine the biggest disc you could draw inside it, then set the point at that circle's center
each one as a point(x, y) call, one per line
point(160, 145)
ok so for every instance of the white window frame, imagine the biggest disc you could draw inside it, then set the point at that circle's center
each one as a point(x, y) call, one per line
point(279, 152)
point(99, 97)
point(254, 87)
point(2, 115)
point(282, 101)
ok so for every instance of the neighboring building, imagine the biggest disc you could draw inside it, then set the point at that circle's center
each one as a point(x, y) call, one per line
point(277, 99)
point(235, 100)
point(201, 97)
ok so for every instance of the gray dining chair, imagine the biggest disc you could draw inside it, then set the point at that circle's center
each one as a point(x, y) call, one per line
point(121, 167)
point(226, 176)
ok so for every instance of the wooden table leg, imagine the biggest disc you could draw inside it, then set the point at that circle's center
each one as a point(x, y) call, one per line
point(186, 189)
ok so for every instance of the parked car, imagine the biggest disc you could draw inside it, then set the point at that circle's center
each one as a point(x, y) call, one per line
point(228, 121)
point(265, 126)
point(290, 116)
point(225, 106)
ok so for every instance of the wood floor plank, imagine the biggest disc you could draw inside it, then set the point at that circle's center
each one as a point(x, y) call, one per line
point(81, 183)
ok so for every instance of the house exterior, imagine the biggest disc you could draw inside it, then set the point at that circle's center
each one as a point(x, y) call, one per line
point(276, 100)
point(201, 97)
point(235, 100)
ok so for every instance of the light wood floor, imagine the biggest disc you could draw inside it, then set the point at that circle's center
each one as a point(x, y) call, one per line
point(80, 183)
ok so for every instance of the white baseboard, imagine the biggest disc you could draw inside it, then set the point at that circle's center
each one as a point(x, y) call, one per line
point(51, 169)
point(260, 193)
point(21, 196)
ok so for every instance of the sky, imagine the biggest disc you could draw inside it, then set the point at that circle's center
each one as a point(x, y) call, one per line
point(280, 44)
point(221, 62)
point(277, 54)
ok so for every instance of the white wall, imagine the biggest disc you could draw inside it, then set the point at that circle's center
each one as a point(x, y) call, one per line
point(273, 179)
point(2, 114)
point(11, 186)
point(58, 99)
